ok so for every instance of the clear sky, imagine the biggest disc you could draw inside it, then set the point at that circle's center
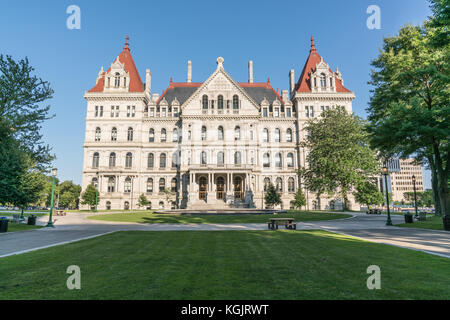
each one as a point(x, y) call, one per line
point(165, 34)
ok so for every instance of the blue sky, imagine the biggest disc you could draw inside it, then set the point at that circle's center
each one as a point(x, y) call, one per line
point(165, 34)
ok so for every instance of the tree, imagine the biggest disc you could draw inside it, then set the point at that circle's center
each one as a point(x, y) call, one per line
point(272, 197)
point(409, 110)
point(428, 200)
point(31, 187)
point(90, 196)
point(143, 201)
point(69, 194)
point(367, 193)
point(300, 199)
point(339, 157)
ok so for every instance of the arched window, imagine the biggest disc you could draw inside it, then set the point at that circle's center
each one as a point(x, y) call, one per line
point(266, 183)
point(108, 205)
point(237, 133)
point(95, 160)
point(151, 135)
point(220, 133)
point(161, 205)
point(163, 135)
point(162, 160)
point(266, 160)
point(173, 185)
point(220, 158)
point(129, 160)
point(114, 134)
point(117, 79)
point(289, 135)
point(203, 159)
point(237, 158)
point(112, 159)
point(175, 135)
point(130, 134)
point(266, 135)
point(235, 102)
point(278, 161)
point(150, 160)
point(111, 184)
point(291, 184)
point(290, 160)
point(323, 80)
point(279, 184)
point(127, 185)
point(162, 185)
point(149, 185)
point(175, 159)
point(277, 135)
point(94, 182)
point(203, 133)
point(205, 102)
point(98, 134)
point(220, 102)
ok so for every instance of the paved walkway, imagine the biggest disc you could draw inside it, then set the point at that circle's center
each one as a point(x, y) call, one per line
point(75, 227)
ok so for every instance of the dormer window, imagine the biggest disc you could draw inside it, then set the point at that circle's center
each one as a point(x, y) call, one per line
point(220, 102)
point(235, 102)
point(264, 112)
point(323, 81)
point(276, 112)
point(117, 79)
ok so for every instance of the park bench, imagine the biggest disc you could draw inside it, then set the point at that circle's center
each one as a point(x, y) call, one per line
point(373, 211)
point(287, 222)
point(60, 212)
point(16, 218)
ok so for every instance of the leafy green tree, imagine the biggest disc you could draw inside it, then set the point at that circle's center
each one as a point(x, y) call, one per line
point(300, 199)
point(89, 196)
point(69, 194)
point(272, 197)
point(143, 201)
point(409, 110)
point(367, 193)
point(428, 200)
point(339, 157)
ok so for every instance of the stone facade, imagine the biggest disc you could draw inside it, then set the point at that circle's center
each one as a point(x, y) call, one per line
point(203, 145)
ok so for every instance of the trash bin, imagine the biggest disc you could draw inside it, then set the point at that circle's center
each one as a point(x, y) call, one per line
point(408, 218)
point(31, 220)
point(4, 224)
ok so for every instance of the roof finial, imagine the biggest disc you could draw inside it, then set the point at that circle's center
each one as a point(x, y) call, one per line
point(171, 81)
point(313, 48)
point(126, 43)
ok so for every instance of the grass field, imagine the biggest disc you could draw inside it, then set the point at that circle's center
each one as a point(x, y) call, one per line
point(148, 217)
point(13, 227)
point(225, 265)
point(433, 222)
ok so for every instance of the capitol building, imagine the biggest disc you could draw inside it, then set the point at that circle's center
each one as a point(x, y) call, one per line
point(214, 144)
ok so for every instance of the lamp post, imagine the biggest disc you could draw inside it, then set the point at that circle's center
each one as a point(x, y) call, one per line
point(415, 195)
point(50, 222)
point(96, 193)
point(385, 173)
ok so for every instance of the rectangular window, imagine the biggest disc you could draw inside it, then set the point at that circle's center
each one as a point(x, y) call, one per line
point(163, 113)
point(96, 111)
point(133, 111)
point(307, 111)
point(265, 112)
point(112, 111)
point(175, 112)
point(288, 112)
point(251, 135)
point(152, 112)
point(128, 111)
point(276, 112)
point(117, 111)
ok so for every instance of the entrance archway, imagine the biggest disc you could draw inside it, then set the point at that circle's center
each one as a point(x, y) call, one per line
point(238, 188)
point(203, 189)
point(220, 187)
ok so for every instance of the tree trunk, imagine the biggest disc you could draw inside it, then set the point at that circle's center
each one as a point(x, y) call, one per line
point(434, 184)
point(444, 196)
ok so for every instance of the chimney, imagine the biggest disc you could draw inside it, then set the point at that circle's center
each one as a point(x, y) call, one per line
point(148, 82)
point(189, 72)
point(250, 71)
point(291, 81)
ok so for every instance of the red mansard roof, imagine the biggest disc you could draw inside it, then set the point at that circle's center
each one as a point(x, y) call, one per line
point(126, 59)
point(304, 83)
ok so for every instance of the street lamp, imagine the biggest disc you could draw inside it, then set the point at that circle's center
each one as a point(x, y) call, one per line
point(415, 195)
point(50, 223)
point(96, 193)
point(385, 173)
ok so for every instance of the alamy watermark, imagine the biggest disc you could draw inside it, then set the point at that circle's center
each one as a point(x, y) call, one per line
point(74, 20)
point(374, 20)
point(74, 280)
point(374, 280)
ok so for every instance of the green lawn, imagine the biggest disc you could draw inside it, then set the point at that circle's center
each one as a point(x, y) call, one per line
point(12, 227)
point(148, 217)
point(433, 222)
point(225, 265)
point(25, 214)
